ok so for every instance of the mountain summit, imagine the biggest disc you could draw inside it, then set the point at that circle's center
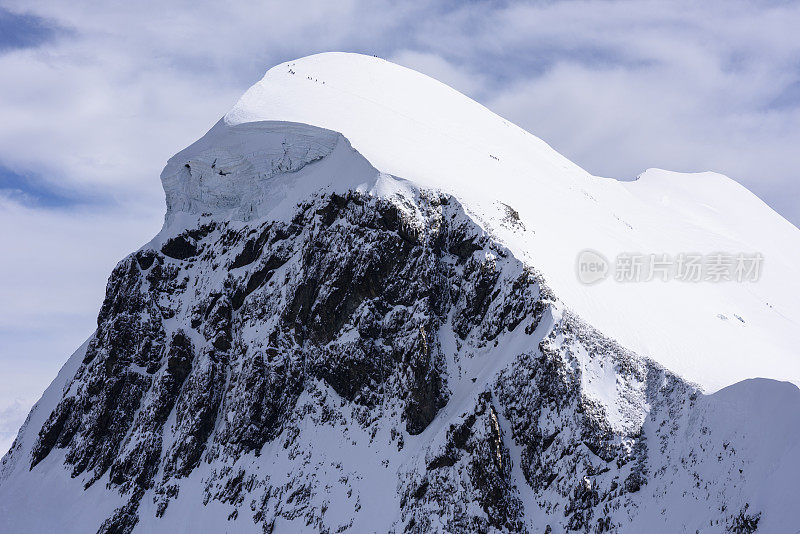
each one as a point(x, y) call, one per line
point(413, 127)
point(363, 314)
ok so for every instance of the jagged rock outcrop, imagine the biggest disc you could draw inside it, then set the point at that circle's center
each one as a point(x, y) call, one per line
point(357, 313)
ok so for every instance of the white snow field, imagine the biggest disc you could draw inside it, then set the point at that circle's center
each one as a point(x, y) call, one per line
point(412, 126)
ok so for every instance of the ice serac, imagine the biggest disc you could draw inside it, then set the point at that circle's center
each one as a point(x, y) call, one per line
point(248, 171)
point(354, 320)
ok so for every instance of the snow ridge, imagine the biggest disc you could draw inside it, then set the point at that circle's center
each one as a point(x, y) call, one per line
point(412, 126)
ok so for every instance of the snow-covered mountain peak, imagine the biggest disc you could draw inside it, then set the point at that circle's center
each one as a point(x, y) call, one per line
point(362, 96)
point(411, 126)
point(363, 315)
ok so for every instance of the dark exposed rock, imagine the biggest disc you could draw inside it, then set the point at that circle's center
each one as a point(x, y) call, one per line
point(360, 266)
point(124, 518)
point(336, 320)
point(744, 522)
point(180, 248)
point(137, 466)
point(257, 279)
point(145, 259)
point(53, 431)
point(472, 462)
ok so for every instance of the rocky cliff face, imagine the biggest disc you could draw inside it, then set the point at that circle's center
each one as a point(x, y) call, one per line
point(372, 359)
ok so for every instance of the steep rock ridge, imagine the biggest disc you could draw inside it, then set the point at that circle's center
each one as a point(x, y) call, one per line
point(351, 293)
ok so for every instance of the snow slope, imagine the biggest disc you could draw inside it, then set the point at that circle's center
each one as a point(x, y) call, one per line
point(409, 125)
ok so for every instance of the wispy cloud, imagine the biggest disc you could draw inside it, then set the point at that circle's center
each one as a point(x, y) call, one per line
point(33, 191)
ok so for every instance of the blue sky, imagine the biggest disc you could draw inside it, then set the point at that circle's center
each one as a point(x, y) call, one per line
point(94, 97)
point(21, 30)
